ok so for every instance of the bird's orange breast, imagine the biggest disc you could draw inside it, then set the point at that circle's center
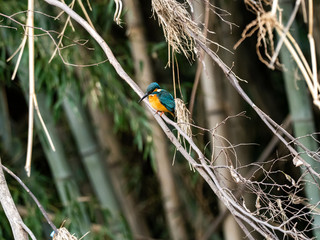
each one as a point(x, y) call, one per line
point(156, 104)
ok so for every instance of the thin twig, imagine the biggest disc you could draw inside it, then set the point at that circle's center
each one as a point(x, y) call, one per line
point(25, 227)
point(315, 92)
point(118, 11)
point(48, 33)
point(284, 33)
point(273, 126)
point(30, 31)
point(10, 208)
point(274, 7)
point(21, 48)
point(85, 13)
point(35, 101)
point(62, 33)
point(200, 60)
point(44, 213)
point(262, 158)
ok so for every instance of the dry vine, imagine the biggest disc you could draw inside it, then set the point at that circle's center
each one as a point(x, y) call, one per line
point(266, 23)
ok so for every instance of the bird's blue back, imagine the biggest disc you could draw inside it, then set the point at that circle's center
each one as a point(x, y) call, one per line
point(166, 100)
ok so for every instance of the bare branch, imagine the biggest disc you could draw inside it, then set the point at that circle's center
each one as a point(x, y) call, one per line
point(10, 209)
point(25, 227)
point(44, 213)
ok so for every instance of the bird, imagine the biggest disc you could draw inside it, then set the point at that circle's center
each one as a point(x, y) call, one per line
point(160, 99)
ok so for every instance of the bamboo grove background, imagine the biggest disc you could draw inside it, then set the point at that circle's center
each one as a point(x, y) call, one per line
point(113, 172)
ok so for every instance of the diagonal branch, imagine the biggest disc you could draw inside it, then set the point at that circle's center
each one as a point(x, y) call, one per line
point(272, 125)
point(44, 213)
point(10, 209)
point(284, 33)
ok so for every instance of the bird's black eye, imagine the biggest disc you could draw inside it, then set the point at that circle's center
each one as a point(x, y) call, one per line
point(151, 91)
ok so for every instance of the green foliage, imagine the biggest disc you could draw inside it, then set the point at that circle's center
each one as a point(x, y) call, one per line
point(5, 229)
point(53, 78)
point(111, 94)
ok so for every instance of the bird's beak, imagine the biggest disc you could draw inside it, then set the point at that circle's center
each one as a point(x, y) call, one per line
point(146, 95)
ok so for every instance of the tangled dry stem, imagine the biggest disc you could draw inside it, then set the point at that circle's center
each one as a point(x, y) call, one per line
point(183, 120)
point(278, 197)
point(183, 117)
point(264, 25)
point(176, 23)
point(64, 234)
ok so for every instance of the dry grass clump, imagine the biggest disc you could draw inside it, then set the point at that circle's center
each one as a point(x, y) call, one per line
point(183, 120)
point(64, 234)
point(183, 117)
point(177, 24)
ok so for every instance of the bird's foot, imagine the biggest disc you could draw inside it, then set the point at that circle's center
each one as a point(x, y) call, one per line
point(160, 113)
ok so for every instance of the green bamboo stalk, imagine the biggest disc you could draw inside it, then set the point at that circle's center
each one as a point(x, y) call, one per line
point(92, 158)
point(64, 180)
point(302, 118)
point(115, 157)
point(144, 75)
point(67, 187)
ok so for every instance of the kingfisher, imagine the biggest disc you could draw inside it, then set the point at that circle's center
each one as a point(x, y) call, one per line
point(160, 99)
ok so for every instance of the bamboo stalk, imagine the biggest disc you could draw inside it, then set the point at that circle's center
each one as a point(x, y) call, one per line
point(65, 183)
point(92, 159)
point(315, 92)
point(303, 124)
point(213, 90)
point(116, 160)
point(170, 197)
point(30, 31)
point(284, 33)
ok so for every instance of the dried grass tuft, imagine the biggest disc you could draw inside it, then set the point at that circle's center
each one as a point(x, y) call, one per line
point(64, 234)
point(183, 120)
point(183, 117)
point(177, 24)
